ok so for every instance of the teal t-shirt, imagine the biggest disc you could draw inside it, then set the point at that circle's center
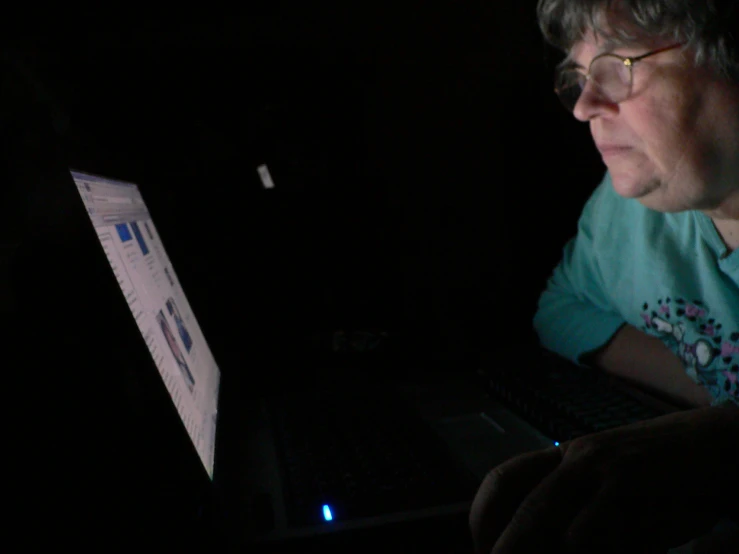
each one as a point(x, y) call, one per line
point(669, 275)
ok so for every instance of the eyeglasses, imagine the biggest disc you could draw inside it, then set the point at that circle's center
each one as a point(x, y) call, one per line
point(612, 76)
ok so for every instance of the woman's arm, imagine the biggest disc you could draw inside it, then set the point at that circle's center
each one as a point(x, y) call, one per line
point(647, 362)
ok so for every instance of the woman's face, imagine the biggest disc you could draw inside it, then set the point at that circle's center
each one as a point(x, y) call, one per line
point(674, 143)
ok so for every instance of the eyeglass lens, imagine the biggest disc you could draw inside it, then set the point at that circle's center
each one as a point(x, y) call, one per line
point(608, 74)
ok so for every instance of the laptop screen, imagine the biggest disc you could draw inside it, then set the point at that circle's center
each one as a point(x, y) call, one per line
point(158, 304)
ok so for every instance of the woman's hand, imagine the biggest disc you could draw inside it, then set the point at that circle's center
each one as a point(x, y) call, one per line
point(645, 487)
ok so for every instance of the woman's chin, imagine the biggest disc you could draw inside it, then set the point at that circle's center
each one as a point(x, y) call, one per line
point(630, 186)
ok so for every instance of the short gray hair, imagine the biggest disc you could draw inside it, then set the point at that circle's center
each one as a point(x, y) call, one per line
point(709, 27)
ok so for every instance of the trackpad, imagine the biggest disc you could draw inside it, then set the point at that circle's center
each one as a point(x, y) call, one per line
point(478, 441)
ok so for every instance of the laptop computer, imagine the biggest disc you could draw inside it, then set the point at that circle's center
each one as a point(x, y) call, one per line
point(215, 428)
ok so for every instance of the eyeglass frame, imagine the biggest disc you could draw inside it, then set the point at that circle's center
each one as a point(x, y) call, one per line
point(628, 61)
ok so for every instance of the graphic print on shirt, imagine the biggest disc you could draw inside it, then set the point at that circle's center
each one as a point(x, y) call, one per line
point(709, 352)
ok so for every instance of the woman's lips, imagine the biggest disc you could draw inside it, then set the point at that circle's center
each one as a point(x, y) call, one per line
point(609, 151)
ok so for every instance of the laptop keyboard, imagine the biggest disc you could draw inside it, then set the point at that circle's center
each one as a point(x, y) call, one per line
point(566, 401)
point(355, 456)
point(361, 455)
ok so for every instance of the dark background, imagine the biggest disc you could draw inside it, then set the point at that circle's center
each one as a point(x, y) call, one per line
point(426, 176)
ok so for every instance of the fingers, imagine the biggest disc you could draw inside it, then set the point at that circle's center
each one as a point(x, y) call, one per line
point(602, 527)
point(503, 490)
point(546, 512)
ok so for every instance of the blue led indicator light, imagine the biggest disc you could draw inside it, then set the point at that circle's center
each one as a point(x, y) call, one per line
point(327, 513)
point(556, 443)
